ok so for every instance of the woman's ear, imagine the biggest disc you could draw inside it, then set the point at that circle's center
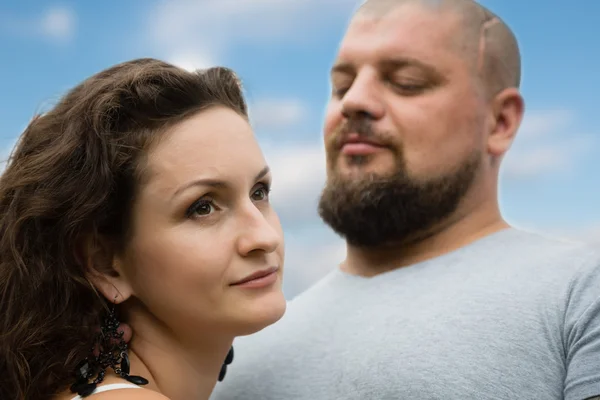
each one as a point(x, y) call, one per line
point(104, 269)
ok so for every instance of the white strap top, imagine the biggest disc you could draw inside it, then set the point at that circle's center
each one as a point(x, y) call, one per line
point(113, 386)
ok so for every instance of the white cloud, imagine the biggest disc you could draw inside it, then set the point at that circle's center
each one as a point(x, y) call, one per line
point(299, 176)
point(191, 60)
point(58, 23)
point(185, 21)
point(543, 158)
point(546, 144)
point(277, 113)
point(590, 234)
point(536, 124)
point(213, 26)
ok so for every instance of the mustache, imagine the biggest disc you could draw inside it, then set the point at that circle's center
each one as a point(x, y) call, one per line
point(362, 127)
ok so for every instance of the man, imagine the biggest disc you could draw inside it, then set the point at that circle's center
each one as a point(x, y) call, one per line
point(438, 298)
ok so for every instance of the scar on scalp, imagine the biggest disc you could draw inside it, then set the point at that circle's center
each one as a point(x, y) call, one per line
point(482, 41)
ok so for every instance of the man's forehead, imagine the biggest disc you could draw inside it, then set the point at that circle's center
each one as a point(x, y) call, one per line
point(407, 18)
point(409, 30)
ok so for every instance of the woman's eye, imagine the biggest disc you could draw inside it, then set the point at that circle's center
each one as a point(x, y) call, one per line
point(201, 208)
point(261, 193)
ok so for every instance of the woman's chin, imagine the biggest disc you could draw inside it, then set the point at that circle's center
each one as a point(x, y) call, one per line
point(257, 314)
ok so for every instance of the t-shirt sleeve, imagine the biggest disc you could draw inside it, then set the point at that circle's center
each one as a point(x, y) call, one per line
point(581, 334)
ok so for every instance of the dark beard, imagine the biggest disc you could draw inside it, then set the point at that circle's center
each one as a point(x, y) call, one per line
point(374, 210)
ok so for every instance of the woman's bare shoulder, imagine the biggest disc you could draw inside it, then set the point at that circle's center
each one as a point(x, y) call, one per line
point(128, 394)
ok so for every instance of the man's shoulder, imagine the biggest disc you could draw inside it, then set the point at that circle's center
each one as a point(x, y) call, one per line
point(528, 238)
point(546, 250)
point(572, 254)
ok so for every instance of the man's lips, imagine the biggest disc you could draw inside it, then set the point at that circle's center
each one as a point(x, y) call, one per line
point(263, 275)
point(355, 145)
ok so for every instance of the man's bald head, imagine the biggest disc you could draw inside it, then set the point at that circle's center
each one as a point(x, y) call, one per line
point(486, 39)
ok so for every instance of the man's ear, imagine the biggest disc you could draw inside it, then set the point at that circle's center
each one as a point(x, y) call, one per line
point(508, 108)
point(104, 269)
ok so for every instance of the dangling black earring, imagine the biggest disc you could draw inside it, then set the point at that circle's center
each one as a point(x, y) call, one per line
point(112, 353)
point(228, 360)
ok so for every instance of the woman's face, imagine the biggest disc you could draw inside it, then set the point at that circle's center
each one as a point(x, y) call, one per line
point(202, 223)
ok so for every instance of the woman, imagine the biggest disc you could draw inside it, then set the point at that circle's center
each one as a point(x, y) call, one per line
point(142, 196)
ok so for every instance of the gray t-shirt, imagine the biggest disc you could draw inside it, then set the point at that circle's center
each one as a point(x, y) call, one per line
point(512, 316)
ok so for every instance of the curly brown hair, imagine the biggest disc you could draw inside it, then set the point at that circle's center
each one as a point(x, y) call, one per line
point(73, 176)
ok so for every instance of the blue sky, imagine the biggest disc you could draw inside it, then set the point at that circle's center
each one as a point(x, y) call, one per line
point(282, 50)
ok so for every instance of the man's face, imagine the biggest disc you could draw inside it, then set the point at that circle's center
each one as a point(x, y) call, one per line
point(405, 126)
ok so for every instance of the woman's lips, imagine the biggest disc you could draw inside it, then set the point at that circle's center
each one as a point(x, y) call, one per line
point(258, 279)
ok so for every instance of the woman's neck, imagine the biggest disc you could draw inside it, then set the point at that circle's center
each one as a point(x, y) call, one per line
point(176, 366)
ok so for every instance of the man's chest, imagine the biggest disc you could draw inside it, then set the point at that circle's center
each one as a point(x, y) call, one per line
point(454, 351)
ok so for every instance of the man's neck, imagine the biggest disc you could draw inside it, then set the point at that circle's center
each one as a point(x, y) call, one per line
point(457, 232)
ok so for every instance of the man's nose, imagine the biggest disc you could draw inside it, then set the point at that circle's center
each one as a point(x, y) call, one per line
point(363, 98)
